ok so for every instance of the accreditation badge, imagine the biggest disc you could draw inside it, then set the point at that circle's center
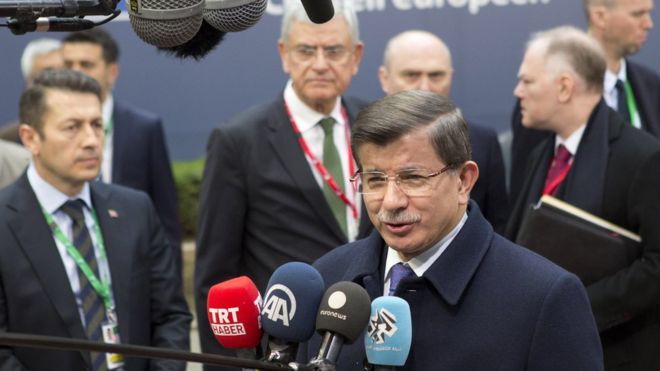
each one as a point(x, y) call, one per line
point(111, 336)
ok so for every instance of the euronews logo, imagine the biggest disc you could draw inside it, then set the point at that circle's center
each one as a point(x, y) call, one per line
point(280, 304)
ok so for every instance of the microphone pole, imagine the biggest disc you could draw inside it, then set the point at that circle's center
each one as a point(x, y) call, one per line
point(53, 342)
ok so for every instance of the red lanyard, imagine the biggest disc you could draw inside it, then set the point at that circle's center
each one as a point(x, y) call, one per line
point(552, 187)
point(327, 177)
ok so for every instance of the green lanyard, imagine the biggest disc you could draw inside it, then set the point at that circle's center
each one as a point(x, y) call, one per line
point(108, 129)
point(630, 99)
point(102, 288)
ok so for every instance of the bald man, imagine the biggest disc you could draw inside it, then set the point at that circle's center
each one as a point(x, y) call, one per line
point(419, 60)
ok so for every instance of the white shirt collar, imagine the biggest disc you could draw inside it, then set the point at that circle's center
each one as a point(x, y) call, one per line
point(303, 114)
point(106, 109)
point(572, 142)
point(422, 262)
point(611, 78)
point(49, 197)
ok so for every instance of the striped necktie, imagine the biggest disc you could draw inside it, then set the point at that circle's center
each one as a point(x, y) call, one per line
point(332, 163)
point(93, 308)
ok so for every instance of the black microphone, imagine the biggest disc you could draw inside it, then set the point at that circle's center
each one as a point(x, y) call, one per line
point(204, 41)
point(319, 11)
point(165, 23)
point(51, 24)
point(32, 9)
point(343, 315)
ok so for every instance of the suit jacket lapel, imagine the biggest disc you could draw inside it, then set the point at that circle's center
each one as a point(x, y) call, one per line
point(590, 164)
point(36, 240)
point(112, 221)
point(644, 104)
point(285, 145)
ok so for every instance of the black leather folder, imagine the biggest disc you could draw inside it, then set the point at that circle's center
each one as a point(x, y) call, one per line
point(576, 240)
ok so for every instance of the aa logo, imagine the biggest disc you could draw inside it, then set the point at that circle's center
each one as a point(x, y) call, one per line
point(280, 304)
point(381, 325)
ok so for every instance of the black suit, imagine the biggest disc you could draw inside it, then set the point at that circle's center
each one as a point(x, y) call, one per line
point(490, 190)
point(260, 205)
point(615, 176)
point(140, 160)
point(645, 84)
point(36, 296)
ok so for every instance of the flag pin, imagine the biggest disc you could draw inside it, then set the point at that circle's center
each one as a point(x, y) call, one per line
point(113, 213)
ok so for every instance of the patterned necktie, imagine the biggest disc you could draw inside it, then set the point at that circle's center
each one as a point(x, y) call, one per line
point(93, 308)
point(559, 164)
point(332, 163)
point(622, 101)
point(399, 271)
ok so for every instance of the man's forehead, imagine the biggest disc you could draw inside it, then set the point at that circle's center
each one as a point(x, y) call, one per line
point(334, 32)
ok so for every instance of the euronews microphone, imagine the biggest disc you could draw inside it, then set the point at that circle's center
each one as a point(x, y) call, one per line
point(389, 334)
point(233, 308)
point(342, 317)
point(290, 306)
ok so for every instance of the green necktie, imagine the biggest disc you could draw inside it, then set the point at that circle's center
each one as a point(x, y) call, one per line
point(332, 163)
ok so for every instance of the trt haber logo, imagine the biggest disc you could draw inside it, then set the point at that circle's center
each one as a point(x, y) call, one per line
point(224, 322)
point(280, 304)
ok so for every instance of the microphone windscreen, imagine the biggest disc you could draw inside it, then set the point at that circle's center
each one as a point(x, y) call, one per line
point(344, 310)
point(234, 15)
point(319, 11)
point(233, 308)
point(389, 334)
point(165, 23)
point(292, 302)
point(204, 41)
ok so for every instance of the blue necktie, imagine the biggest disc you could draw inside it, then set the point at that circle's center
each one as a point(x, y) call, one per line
point(92, 303)
point(399, 271)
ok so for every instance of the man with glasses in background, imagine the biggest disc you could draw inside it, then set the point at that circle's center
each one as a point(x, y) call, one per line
point(276, 184)
point(478, 302)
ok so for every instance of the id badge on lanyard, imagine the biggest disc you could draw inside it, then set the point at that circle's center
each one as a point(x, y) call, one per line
point(111, 336)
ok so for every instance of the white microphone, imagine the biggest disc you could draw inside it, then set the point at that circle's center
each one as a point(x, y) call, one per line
point(165, 23)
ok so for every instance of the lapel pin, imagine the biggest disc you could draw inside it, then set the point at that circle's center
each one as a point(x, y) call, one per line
point(113, 213)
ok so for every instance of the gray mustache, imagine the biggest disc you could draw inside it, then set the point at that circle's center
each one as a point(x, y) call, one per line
point(399, 217)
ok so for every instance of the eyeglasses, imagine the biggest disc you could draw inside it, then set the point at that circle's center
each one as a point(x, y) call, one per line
point(308, 53)
point(412, 182)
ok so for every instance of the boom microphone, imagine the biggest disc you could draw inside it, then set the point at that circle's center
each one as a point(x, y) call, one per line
point(389, 334)
point(21, 26)
point(32, 9)
point(234, 15)
point(290, 306)
point(165, 23)
point(204, 41)
point(233, 308)
point(342, 317)
point(319, 11)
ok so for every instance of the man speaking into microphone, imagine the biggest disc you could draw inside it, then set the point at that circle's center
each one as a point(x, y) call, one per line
point(276, 184)
point(477, 301)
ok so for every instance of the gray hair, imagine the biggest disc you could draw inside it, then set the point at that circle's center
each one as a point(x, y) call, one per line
point(33, 104)
point(587, 4)
point(295, 12)
point(567, 47)
point(34, 49)
point(396, 115)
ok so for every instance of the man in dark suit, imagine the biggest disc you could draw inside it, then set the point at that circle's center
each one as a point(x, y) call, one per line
point(599, 163)
point(79, 258)
point(135, 154)
point(621, 28)
point(276, 187)
point(477, 301)
point(420, 60)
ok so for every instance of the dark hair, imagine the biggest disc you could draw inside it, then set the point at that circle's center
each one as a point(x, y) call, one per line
point(33, 104)
point(394, 116)
point(99, 37)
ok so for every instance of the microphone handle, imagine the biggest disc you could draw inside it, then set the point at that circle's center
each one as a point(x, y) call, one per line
point(54, 8)
point(330, 347)
point(54, 342)
point(281, 351)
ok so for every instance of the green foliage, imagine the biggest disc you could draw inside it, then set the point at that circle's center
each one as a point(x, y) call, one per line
point(188, 181)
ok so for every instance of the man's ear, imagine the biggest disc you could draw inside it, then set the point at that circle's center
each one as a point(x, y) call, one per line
point(30, 138)
point(468, 176)
point(565, 87)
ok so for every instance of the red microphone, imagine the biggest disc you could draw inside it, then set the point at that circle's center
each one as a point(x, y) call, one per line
point(234, 308)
